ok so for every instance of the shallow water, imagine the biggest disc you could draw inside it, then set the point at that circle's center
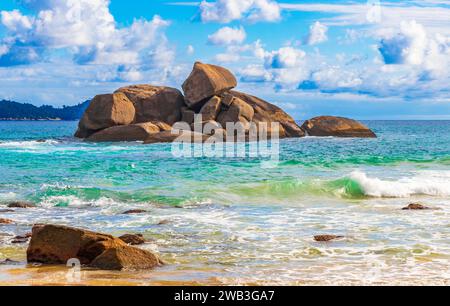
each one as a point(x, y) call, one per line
point(231, 221)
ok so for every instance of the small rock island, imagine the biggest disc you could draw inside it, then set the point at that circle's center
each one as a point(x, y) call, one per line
point(147, 113)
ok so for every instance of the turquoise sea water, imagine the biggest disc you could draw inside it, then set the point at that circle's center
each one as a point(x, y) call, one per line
point(231, 221)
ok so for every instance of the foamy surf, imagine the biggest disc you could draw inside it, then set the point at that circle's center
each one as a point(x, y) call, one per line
point(428, 183)
point(27, 144)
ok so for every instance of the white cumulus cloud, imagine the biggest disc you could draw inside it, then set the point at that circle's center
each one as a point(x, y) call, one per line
point(317, 34)
point(412, 45)
point(286, 57)
point(85, 28)
point(225, 11)
point(228, 36)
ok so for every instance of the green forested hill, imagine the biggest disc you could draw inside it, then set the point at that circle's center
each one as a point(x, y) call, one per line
point(10, 110)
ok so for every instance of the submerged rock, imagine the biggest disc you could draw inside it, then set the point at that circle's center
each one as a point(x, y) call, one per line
point(327, 238)
point(21, 204)
point(133, 239)
point(134, 211)
point(53, 244)
point(206, 81)
point(416, 206)
point(9, 262)
point(21, 239)
point(337, 127)
point(3, 211)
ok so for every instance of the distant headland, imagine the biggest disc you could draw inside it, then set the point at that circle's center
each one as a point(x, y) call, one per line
point(11, 110)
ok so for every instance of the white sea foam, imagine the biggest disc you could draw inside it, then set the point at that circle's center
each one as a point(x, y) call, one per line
point(7, 195)
point(27, 144)
point(431, 183)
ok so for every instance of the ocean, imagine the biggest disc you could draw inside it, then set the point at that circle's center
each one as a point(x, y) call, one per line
point(229, 221)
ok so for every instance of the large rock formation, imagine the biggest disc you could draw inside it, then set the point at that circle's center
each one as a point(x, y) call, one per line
point(206, 81)
point(131, 113)
point(338, 127)
point(52, 244)
point(155, 103)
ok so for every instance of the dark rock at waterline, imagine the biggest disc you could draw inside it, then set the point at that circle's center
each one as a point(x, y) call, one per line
point(416, 206)
point(9, 262)
point(6, 221)
point(325, 126)
point(21, 239)
point(180, 136)
point(134, 212)
point(132, 132)
point(21, 204)
point(3, 211)
point(53, 244)
point(327, 238)
point(163, 222)
point(133, 239)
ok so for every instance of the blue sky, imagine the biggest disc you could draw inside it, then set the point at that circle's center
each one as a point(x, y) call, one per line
point(364, 59)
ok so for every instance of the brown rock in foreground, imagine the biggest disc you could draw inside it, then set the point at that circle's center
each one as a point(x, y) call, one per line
point(327, 238)
point(106, 111)
point(337, 126)
point(154, 103)
point(53, 244)
point(133, 239)
point(6, 221)
point(206, 81)
point(132, 132)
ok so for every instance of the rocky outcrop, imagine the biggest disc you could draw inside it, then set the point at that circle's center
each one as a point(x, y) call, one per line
point(131, 112)
point(155, 103)
point(337, 127)
point(206, 81)
point(52, 244)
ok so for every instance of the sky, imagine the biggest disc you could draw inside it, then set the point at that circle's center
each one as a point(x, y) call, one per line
point(365, 59)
